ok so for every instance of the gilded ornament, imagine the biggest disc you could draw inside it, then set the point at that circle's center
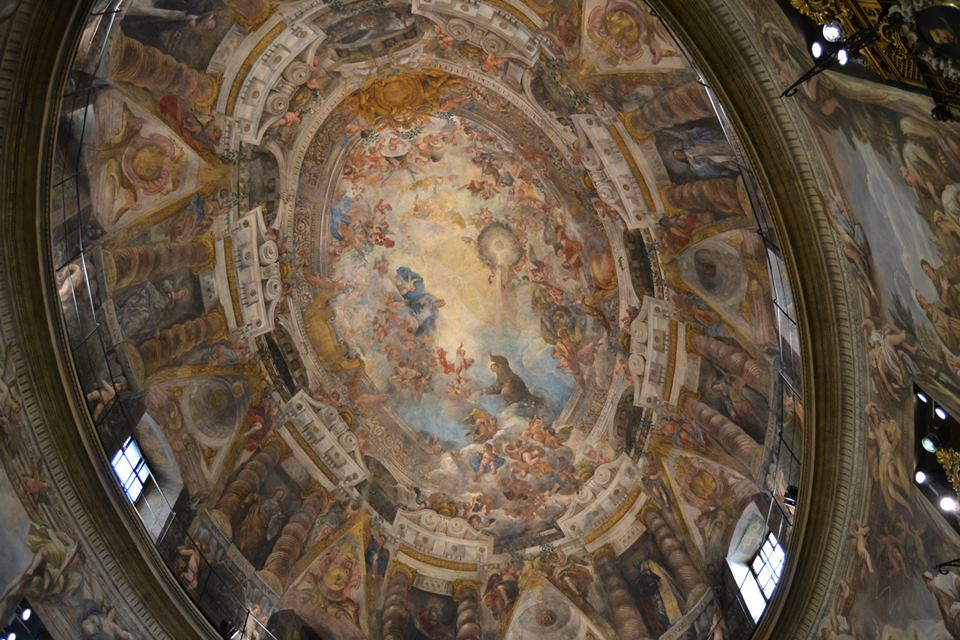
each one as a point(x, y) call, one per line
point(403, 98)
point(949, 459)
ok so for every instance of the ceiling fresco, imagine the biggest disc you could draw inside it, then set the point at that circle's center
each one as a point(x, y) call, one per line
point(432, 319)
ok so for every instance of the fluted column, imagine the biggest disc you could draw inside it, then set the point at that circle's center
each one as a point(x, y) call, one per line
point(686, 103)
point(689, 578)
point(395, 610)
point(171, 343)
point(129, 266)
point(467, 596)
point(248, 481)
point(706, 196)
point(731, 437)
point(289, 546)
point(161, 74)
point(732, 360)
point(626, 617)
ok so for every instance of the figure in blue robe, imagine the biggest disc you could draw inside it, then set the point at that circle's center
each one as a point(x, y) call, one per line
point(338, 216)
point(423, 306)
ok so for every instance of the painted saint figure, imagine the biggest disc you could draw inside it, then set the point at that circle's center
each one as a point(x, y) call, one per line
point(944, 324)
point(262, 521)
point(509, 385)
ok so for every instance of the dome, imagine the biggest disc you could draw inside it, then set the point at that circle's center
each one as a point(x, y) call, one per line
point(517, 275)
point(458, 319)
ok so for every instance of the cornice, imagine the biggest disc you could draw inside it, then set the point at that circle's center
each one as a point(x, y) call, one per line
point(784, 167)
point(120, 565)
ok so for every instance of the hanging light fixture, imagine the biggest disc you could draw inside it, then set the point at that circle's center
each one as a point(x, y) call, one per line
point(834, 50)
point(832, 32)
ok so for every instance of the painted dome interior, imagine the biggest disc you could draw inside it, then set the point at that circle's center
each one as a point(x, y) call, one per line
point(435, 319)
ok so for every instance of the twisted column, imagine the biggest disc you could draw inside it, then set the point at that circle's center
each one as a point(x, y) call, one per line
point(467, 596)
point(248, 481)
point(626, 617)
point(395, 611)
point(175, 341)
point(686, 103)
point(130, 266)
point(688, 576)
point(289, 545)
point(730, 436)
point(732, 360)
point(161, 74)
point(706, 196)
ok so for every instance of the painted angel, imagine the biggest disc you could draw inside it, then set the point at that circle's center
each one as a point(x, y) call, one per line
point(890, 353)
point(10, 403)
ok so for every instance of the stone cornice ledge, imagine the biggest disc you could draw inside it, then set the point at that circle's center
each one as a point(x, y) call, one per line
point(726, 54)
point(118, 555)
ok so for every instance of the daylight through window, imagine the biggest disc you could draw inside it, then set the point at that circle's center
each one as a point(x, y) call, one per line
point(758, 579)
point(131, 469)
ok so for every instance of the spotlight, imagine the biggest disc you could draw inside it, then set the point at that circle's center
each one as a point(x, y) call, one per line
point(940, 413)
point(12, 636)
point(816, 49)
point(843, 57)
point(832, 32)
point(25, 614)
point(930, 443)
point(947, 503)
point(922, 397)
point(920, 477)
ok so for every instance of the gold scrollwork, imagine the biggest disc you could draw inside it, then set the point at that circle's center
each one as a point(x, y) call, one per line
point(949, 459)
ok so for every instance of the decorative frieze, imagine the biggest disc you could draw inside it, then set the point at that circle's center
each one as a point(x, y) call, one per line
point(496, 32)
point(320, 439)
point(248, 276)
point(439, 546)
point(604, 510)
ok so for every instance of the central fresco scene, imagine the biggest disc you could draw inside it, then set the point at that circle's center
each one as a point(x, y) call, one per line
point(433, 319)
point(472, 294)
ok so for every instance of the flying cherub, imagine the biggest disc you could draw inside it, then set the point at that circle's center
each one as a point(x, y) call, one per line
point(859, 538)
point(493, 64)
point(36, 487)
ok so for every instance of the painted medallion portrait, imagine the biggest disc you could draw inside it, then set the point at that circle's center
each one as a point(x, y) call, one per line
point(939, 26)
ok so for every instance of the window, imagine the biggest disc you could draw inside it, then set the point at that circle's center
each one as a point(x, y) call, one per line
point(758, 579)
point(131, 469)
